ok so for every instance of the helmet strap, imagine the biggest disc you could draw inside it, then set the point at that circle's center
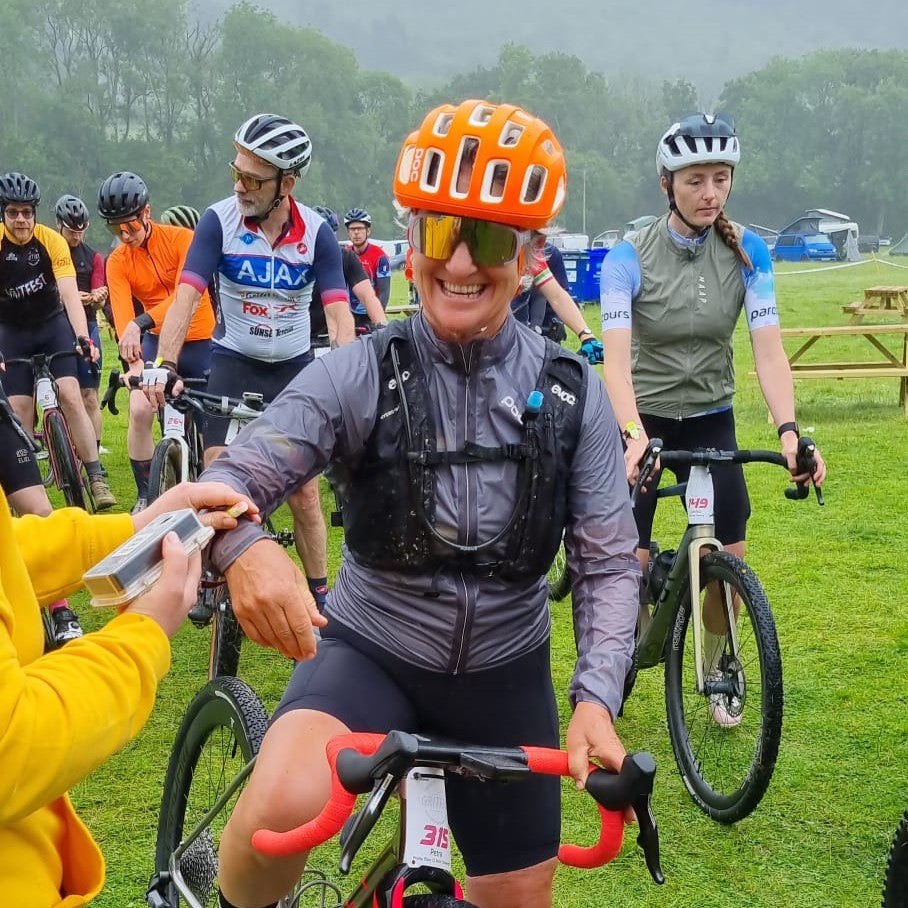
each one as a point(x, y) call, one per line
point(673, 206)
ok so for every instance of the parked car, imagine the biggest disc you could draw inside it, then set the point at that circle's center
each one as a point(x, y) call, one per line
point(803, 247)
point(608, 239)
point(631, 227)
point(868, 242)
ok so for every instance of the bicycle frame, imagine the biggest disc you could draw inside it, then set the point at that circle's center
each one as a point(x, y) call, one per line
point(685, 574)
point(408, 857)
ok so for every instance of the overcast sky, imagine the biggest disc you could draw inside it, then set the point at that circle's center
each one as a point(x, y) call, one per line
point(706, 42)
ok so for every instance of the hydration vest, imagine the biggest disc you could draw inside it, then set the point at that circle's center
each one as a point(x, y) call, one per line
point(388, 495)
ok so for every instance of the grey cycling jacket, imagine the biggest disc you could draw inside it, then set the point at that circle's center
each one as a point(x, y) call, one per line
point(450, 621)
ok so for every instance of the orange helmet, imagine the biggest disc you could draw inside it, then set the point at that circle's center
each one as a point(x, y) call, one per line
point(490, 161)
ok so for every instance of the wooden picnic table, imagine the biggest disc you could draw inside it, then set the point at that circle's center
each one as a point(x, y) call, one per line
point(889, 366)
point(402, 310)
point(878, 299)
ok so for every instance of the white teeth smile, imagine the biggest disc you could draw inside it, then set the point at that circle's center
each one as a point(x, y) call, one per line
point(463, 289)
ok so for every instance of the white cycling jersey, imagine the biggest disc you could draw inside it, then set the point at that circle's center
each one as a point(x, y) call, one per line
point(264, 291)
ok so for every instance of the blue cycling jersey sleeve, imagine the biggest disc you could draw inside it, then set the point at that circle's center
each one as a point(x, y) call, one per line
point(760, 306)
point(619, 283)
point(205, 252)
point(328, 267)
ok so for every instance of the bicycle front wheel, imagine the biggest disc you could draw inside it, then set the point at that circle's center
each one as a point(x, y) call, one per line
point(166, 468)
point(64, 463)
point(559, 578)
point(221, 731)
point(226, 635)
point(726, 738)
point(895, 886)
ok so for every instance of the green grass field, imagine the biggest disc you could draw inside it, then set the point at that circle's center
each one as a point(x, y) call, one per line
point(836, 579)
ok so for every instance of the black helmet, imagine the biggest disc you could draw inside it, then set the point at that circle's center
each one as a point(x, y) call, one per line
point(277, 140)
point(328, 215)
point(71, 212)
point(17, 187)
point(122, 195)
point(180, 216)
point(357, 216)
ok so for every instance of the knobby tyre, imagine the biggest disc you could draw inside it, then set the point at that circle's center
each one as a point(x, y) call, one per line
point(64, 463)
point(559, 578)
point(226, 635)
point(895, 886)
point(221, 731)
point(166, 468)
point(727, 769)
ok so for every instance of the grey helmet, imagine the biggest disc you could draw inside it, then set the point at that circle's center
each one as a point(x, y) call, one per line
point(17, 187)
point(122, 195)
point(180, 216)
point(71, 212)
point(277, 140)
point(357, 216)
point(698, 139)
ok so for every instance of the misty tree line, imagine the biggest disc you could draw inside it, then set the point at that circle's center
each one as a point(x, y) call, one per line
point(105, 85)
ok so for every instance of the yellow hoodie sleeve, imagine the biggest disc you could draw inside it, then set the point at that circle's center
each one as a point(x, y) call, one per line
point(59, 549)
point(62, 714)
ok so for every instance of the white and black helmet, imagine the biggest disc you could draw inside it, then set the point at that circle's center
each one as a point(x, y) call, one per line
point(71, 212)
point(698, 139)
point(357, 216)
point(277, 140)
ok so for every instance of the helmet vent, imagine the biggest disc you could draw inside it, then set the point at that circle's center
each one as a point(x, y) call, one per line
point(463, 170)
point(510, 135)
point(431, 171)
point(481, 115)
point(533, 184)
point(443, 124)
point(496, 178)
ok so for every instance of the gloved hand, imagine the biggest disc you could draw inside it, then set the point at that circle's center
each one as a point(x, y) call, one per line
point(591, 348)
point(86, 348)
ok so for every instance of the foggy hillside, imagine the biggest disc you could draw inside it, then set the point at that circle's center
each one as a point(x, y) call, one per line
point(706, 43)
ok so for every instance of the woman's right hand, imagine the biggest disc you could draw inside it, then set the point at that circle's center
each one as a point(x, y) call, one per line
point(633, 453)
point(176, 590)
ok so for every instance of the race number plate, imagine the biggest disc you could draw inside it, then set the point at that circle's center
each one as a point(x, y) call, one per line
point(44, 393)
point(428, 838)
point(174, 421)
point(699, 497)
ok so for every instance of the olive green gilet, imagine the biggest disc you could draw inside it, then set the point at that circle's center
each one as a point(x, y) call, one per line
point(683, 320)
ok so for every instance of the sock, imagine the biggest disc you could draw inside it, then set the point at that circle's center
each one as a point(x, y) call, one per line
point(56, 606)
point(223, 903)
point(318, 586)
point(93, 468)
point(140, 471)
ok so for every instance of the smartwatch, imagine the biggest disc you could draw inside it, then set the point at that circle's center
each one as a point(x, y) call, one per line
point(632, 430)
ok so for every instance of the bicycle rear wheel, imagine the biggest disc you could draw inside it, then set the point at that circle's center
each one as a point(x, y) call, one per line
point(558, 576)
point(166, 468)
point(221, 731)
point(726, 742)
point(895, 886)
point(64, 463)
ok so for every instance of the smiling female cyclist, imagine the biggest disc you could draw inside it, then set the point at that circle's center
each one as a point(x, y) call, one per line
point(468, 442)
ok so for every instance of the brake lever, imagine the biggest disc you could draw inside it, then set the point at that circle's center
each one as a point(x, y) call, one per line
point(109, 399)
point(647, 466)
point(805, 463)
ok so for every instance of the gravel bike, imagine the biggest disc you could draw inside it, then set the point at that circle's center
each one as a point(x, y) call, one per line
point(64, 469)
point(723, 683)
point(895, 885)
point(214, 753)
